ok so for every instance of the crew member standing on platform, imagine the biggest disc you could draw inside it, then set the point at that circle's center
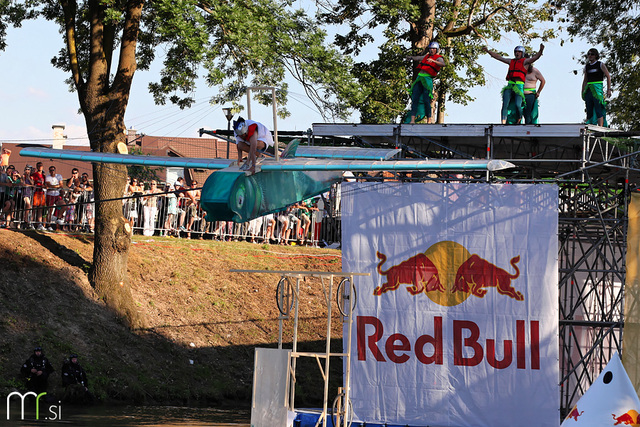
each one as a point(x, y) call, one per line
point(422, 88)
point(513, 92)
point(593, 90)
point(531, 94)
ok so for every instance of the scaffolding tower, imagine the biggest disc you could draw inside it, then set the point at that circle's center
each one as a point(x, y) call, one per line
point(595, 169)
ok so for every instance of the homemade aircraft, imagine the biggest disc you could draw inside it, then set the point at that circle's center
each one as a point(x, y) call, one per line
point(301, 172)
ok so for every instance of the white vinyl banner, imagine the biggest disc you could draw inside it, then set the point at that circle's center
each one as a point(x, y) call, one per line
point(458, 323)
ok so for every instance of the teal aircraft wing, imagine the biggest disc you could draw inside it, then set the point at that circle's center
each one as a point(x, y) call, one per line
point(307, 158)
point(126, 159)
point(230, 194)
point(400, 165)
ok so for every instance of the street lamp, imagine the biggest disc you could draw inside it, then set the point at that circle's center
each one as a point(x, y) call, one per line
point(229, 115)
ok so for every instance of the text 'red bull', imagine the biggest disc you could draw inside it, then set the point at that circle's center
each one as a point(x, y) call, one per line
point(428, 349)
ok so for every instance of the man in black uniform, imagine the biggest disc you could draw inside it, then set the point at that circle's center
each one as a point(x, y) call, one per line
point(37, 370)
point(74, 379)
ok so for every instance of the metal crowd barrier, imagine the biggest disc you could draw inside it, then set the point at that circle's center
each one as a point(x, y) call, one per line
point(184, 223)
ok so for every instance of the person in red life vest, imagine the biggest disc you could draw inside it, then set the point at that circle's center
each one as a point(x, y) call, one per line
point(513, 92)
point(593, 89)
point(422, 87)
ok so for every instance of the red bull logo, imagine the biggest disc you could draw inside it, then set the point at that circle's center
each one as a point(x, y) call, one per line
point(629, 418)
point(448, 274)
point(574, 414)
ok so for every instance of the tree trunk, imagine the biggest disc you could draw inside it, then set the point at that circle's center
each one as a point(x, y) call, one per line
point(103, 99)
point(440, 99)
point(421, 31)
point(108, 274)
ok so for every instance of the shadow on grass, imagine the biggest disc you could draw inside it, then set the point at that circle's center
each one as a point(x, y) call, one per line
point(46, 306)
point(61, 251)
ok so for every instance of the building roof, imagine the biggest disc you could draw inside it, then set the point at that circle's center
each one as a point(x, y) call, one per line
point(204, 147)
point(63, 167)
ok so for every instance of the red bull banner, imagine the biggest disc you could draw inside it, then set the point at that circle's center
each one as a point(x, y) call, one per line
point(458, 323)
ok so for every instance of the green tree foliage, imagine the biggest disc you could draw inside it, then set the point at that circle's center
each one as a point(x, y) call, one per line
point(140, 172)
point(259, 43)
point(231, 43)
point(614, 25)
point(406, 28)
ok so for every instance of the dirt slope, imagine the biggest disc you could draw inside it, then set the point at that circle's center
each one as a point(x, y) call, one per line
point(202, 321)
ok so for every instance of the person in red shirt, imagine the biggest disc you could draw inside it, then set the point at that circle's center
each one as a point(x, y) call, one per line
point(39, 200)
point(422, 88)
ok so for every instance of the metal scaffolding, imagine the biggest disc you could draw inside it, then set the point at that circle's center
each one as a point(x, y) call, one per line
point(595, 169)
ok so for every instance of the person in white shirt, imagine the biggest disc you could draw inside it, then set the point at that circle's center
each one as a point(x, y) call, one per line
point(251, 137)
point(53, 184)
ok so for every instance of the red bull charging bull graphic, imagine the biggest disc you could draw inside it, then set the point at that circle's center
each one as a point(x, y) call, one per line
point(457, 324)
point(629, 418)
point(473, 276)
point(574, 414)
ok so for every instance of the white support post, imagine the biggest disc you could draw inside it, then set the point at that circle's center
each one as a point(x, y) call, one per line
point(275, 113)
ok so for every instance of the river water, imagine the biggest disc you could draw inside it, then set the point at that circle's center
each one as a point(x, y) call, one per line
point(128, 416)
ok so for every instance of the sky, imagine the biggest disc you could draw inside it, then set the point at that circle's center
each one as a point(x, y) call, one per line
point(35, 96)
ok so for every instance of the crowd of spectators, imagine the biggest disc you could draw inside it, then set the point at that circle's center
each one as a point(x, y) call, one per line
point(35, 199)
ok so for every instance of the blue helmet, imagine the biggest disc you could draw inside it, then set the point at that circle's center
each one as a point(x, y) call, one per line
point(434, 45)
point(519, 49)
point(240, 127)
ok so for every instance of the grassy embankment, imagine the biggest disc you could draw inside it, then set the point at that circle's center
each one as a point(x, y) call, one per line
point(202, 322)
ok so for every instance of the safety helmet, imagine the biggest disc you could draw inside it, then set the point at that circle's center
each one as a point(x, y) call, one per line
point(240, 126)
point(434, 45)
point(38, 348)
point(519, 48)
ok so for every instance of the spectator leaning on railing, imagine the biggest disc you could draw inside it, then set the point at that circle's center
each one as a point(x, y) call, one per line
point(150, 208)
point(3, 186)
point(172, 210)
point(27, 194)
point(85, 212)
point(13, 183)
point(191, 205)
point(53, 182)
point(39, 198)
